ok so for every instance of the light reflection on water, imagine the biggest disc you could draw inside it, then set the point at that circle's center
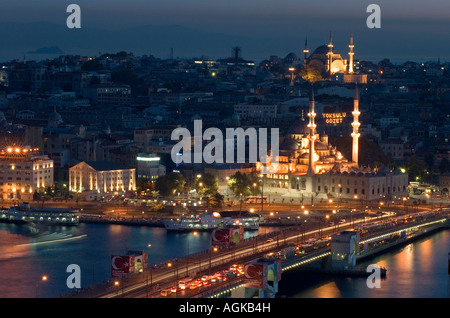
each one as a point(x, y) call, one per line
point(418, 270)
point(20, 273)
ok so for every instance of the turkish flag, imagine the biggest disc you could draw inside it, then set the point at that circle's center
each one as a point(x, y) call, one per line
point(221, 236)
point(121, 265)
point(254, 275)
point(254, 271)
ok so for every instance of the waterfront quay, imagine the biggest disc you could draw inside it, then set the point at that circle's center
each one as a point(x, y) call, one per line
point(165, 276)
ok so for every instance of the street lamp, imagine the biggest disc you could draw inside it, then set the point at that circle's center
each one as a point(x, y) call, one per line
point(151, 274)
point(117, 284)
point(336, 224)
point(214, 249)
point(195, 233)
point(320, 227)
point(240, 202)
point(340, 193)
point(44, 278)
point(327, 217)
point(262, 192)
point(292, 69)
point(175, 271)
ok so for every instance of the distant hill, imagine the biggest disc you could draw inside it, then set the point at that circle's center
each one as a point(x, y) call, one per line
point(19, 40)
point(48, 50)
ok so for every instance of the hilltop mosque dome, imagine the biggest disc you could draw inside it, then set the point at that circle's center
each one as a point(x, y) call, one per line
point(327, 60)
point(3, 121)
point(54, 119)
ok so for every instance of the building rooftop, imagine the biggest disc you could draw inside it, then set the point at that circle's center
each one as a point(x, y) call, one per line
point(105, 165)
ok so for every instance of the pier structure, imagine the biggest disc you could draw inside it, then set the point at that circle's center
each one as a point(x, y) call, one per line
point(347, 249)
point(261, 278)
point(344, 248)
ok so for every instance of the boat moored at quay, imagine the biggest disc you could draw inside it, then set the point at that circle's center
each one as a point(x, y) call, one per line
point(24, 213)
point(210, 221)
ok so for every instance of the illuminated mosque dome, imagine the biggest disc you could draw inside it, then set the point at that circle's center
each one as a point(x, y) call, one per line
point(298, 129)
point(289, 145)
point(325, 59)
point(291, 58)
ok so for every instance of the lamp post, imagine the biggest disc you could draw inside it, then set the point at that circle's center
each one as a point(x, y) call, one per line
point(320, 227)
point(151, 273)
point(336, 224)
point(405, 206)
point(195, 233)
point(240, 202)
point(175, 271)
point(292, 69)
point(117, 284)
point(44, 278)
point(340, 193)
point(214, 249)
point(262, 192)
point(305, 212)
point(355, 209)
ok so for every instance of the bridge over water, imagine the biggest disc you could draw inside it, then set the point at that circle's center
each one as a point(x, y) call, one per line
point(371, 245)
point(372, 242)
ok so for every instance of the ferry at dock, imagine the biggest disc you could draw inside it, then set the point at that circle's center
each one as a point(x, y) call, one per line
point(210, 221)
point(24, 213)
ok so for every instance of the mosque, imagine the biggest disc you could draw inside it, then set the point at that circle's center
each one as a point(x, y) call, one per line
point(312, 169)
point(331, 64)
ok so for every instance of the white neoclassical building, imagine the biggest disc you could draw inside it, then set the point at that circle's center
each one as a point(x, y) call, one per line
point(102, 177)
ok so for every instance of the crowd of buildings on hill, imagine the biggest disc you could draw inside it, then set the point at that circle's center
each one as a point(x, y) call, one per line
point(99, 125)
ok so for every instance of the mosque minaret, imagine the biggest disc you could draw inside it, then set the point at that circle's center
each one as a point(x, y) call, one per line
point(350, 54)
point(355, 124)
point(312, 134)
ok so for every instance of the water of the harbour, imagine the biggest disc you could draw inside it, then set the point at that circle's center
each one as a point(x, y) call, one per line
point(417, 270)
point(23, 262)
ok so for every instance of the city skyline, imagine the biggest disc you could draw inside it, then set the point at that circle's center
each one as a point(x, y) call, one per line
point(202, 149)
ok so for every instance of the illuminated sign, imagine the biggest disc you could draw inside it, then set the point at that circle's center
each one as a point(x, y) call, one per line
point(334, 118)
point(148, 158)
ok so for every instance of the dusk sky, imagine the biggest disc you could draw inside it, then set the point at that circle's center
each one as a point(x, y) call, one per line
point(409, 28)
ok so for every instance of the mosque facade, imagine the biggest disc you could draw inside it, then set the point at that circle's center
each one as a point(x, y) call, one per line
point(333, 65)
point(310, 168)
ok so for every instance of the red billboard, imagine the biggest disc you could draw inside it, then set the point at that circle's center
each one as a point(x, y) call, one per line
point(220, 236)
point(140, 256)
point(232, 235)
point(122, 265)
point(255, 275)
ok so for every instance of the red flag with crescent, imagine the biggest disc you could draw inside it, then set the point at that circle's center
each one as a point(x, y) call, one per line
point(220, 236)
point(121, 265)
point(254, 275)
